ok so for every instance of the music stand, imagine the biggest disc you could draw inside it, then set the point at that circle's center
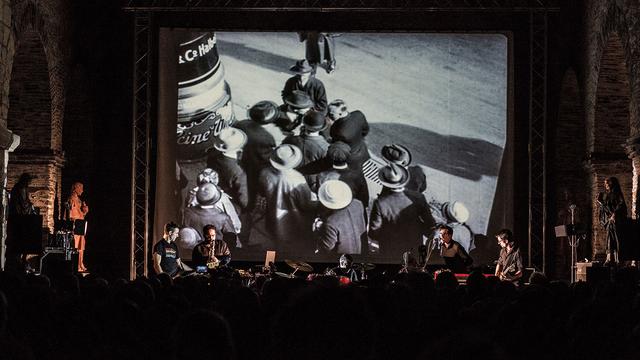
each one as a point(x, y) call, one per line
point(569, 231)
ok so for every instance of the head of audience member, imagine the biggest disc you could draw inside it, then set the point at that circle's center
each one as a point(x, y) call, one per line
point(202, 334)
point(314, 122)
point(446, 233)
point(339, 153)
point(396, 154)
point(302, 69)
point(209, 232)
point(208, 194)
point(345, 261)
point(505, 238)
point(337, 109)
point(209, 176)
point(264, 112)
point(171, 231)
point(394, 177)
point(298, 102)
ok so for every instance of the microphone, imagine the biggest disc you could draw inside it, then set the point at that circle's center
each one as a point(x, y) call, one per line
point(572, 206)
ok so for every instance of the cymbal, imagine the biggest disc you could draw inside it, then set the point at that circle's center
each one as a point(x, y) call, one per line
point(299, 265)
point(365, 266)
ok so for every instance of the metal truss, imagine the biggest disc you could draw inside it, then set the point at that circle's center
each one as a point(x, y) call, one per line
point(142, 74)
point(537, 140)
point(335, 5)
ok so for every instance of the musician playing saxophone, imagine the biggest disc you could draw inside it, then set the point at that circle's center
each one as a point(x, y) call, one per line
point(211, 252)
point(509, 267)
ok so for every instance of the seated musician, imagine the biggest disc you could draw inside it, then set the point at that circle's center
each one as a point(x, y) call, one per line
point(509, 267)
point(455, 256)
point(346, 268)
point(166, 257)
point(211, 252)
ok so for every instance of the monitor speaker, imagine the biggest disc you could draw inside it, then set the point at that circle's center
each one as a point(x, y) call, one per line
point(55, 264)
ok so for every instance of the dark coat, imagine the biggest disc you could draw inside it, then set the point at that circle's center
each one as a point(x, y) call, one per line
point(233, 179)
point(197, 217)
point(256, 153)
point(314, 88)
point(289, 210)
point(343, 231)
point(352, 129)
point(398, 221)
point(314, 148)
point(418, 180)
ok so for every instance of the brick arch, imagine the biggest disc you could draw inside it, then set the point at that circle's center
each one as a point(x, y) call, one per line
point(610, 131)
point(29, 116)
point(612, 100)
point(570, 173)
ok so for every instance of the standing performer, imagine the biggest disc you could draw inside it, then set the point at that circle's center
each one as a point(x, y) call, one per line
point(77, 209)
point(19, 206)
point(166, 257)
point(613, 216)
point(509, 267)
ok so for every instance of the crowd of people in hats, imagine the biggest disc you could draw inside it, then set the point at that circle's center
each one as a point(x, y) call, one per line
point(298, 185)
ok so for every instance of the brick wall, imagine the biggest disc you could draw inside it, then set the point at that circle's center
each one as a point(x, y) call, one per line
point(30, 97)
point(571, 178)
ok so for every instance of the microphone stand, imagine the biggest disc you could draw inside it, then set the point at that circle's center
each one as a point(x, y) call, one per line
point(574, 240)
point(430, 248)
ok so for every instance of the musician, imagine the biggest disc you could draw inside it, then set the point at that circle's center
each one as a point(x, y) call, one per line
point(613, 216)
point(19, 206)
point(211, 252)
point(166, 257)
point(456, 257)
point(509, 267)
point(77, 209)
point(346, 268)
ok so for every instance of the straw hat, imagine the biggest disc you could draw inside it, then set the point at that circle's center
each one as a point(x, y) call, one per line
point(335, 194)
point(285, 157)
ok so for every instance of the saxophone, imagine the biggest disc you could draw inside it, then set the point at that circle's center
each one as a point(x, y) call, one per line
point(213, 261)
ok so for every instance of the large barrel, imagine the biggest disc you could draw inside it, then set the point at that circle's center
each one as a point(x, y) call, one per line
point(204, 97)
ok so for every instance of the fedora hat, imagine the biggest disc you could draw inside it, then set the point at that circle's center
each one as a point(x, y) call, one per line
point(456, 211)
point(298, 99)
point(229, 140)
point(286, 157)
point(339, 153)
point(335, 194)
point(301, 67)
point(396, 154)
point(314, 121)
point(208, 194)
point(393, 176)
point(263, 112)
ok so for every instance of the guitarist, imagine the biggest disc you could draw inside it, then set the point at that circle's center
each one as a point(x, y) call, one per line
point(211, 252)
point(509, 267)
